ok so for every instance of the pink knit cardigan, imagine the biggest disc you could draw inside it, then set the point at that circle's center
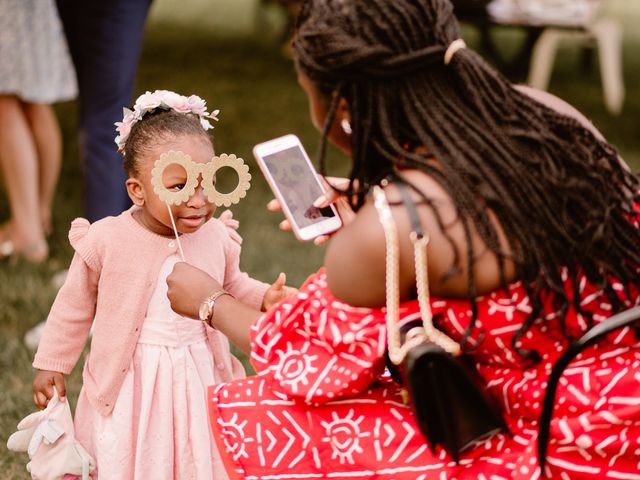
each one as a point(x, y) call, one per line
point(111, 278)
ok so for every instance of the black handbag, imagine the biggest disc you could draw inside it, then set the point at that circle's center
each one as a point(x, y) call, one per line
point(452, 407)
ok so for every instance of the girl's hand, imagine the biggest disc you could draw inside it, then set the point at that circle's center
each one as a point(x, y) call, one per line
point(330, 197)
point(277, 292)
point(43, 387)
point(188, 288)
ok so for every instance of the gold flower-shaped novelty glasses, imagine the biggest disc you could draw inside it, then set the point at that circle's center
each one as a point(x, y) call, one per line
point(175, 178)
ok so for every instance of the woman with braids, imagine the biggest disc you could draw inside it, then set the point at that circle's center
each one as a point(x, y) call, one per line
point(533, 228)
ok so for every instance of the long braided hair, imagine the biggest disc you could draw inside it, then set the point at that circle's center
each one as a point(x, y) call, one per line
point(561, 195)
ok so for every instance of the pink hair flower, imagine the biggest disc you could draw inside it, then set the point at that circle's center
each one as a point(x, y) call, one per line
point(197, 105)
point(175, 102)
point(147, 101)
point(166, 100)
point(124, 127)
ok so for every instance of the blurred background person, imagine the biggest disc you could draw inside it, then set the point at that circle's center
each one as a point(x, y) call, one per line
point(35, 71)
point(105, 37)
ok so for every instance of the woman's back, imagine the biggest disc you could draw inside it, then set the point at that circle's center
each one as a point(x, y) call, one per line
point(355, 258)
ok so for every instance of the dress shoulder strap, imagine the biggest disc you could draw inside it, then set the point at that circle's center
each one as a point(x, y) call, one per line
point(410, 206)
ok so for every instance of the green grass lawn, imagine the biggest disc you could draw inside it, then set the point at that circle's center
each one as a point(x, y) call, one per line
point(247, 78)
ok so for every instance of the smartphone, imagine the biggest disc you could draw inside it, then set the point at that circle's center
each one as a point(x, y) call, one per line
point(295, 183)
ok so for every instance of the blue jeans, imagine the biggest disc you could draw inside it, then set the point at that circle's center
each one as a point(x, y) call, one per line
point(105, 38)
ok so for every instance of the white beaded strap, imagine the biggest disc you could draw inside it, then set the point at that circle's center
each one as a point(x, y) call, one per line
point(422, 285)
point(416, 335)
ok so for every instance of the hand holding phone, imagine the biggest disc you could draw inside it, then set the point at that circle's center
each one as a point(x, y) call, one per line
point(295, 184)
point(330, 197)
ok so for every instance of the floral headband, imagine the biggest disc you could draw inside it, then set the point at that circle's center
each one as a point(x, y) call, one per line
point(165, 100)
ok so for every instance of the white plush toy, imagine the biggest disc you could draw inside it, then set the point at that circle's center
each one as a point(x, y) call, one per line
point(48, 437)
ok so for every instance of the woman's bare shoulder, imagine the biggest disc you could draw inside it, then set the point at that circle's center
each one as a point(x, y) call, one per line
point(355, 258)
point(559, 105)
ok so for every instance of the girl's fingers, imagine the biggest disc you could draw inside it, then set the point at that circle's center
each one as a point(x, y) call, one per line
point(49, 389)
point(41, 400)
point(280, 281)
point(60, 386)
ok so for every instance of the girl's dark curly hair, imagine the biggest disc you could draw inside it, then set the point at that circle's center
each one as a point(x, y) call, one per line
point(155, 128)
point(562, 196)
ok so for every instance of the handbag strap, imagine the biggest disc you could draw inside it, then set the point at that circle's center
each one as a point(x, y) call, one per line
point(597, 332)
point(420, 242)
point(415, 336)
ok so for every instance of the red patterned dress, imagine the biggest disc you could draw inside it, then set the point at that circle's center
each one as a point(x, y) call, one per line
point(322, 407)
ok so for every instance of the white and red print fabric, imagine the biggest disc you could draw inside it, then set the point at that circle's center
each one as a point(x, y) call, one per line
point(321, 406)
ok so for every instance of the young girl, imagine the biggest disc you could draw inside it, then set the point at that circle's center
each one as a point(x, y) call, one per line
point(141, 411)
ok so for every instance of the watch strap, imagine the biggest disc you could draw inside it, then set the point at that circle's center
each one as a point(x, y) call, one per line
point(211, 300)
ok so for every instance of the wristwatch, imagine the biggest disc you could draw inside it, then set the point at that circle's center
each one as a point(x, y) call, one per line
point(206, 307)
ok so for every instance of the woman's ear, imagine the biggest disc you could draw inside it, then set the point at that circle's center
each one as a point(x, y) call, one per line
point(342, 112)
point(135, 190)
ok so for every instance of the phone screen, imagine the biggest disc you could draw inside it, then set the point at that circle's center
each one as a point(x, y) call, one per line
point(298, 185)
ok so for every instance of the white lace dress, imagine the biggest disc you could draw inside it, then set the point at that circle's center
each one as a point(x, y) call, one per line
point(34, 59)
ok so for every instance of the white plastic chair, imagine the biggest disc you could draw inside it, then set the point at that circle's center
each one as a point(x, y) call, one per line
point(607, 35)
